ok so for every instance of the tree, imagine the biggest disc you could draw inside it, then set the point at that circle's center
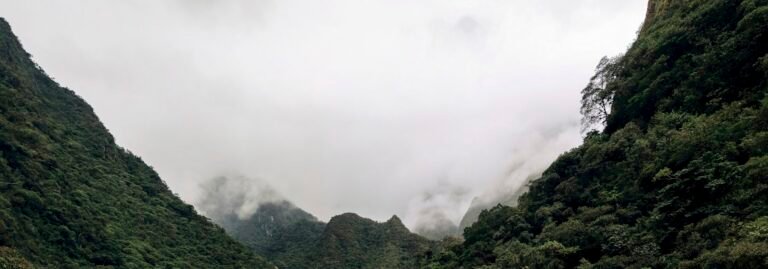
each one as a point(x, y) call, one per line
point(597, 96)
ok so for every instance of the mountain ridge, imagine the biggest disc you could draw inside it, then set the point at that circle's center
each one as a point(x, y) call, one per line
point(71, 198)
point(676, 179)
point(346, 241)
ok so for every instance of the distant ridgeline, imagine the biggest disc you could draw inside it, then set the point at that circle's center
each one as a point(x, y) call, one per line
point(679, 176)
point(71, 198)
point(292, 238)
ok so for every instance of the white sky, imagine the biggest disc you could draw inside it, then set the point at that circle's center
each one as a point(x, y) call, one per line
point(377, 107)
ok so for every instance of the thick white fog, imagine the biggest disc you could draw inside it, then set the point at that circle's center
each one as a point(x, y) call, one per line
point(378, 107)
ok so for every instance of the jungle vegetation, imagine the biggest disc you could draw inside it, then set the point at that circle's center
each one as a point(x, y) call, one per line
point(71, 198)
point(678, 176)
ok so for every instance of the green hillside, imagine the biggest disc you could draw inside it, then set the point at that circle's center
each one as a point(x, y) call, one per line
point(71, 198)
point(350, 241)
point(278, 231)
point(264, 229)
point(478, 205)
point(291, 238)
point(679, 176)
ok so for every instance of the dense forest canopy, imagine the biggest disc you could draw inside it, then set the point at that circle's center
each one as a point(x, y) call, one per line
point(292, 238)
point(597, 97)
point(677, 179)
point(71, 198)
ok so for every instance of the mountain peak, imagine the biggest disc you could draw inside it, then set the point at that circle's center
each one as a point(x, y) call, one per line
point(394, 220)
point(348, 217)
point(50, 137)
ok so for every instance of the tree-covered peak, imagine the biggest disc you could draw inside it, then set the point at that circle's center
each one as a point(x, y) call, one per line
point(676, 179)
point(395, 221)
point(692, 57)
point(71, 198)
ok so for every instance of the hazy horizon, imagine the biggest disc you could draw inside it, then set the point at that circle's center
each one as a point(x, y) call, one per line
point(375, 107)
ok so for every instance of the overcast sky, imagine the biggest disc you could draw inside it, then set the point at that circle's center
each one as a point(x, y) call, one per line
point(377, 107)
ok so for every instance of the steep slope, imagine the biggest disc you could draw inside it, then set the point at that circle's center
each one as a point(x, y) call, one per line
point(292, 246)
point(679, 176)
point(291, 238)
point(478, 204)
point(263, 230)
point(439, 229)
point(278, 231)
point(350, 241)
point(256, 215)
point(71, 198)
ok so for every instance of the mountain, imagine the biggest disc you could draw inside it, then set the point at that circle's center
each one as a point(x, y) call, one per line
point(265, 231)
point(676, 179)
point(71, 198)
point(482, 203)
point(278, 231)
point(350, 241)
point(256, 215)
point(291, 238)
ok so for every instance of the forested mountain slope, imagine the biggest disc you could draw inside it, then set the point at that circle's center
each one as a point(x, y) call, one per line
point(478, 205)
point(292, 238)
point(71, 198)
point(679, 176)
point(265, 230)
point(350, 241)
point(278, 231)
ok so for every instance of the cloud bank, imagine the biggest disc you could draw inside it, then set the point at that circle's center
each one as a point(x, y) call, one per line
point(377, 107)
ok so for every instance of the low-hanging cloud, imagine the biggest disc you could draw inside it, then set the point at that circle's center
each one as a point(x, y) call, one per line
point(234, 195)
point(340, 105)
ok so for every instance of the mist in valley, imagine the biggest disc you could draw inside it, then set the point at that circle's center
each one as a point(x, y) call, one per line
point(413, 108)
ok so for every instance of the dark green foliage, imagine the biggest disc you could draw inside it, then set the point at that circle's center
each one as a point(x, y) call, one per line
point(279, 231)
point(597, 97)
point(297, 240)
point(679, 176)
point(478, 205)
point(292, 246)
point(350, 241)
point(693, 57)
point(71, 198)
point(11, 259)
point(273, 221)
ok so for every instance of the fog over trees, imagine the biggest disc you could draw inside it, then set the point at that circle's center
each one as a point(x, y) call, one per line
point(373, 107)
